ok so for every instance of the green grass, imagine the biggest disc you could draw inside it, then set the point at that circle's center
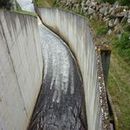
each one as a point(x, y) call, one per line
point(123, 46)
point(25, 12)
point(119, 88)
point(102, 31)
point(45, 3)
point(122, 2)
point(98, 26)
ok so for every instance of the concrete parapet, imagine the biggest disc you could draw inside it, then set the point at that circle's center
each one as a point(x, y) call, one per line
point(20, 69)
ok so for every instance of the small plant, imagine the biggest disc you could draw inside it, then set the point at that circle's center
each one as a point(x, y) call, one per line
point(123, 46)
point(126, 27)
point(110, 1)
point(122, 2)
point(102, 30)
point(45, 3)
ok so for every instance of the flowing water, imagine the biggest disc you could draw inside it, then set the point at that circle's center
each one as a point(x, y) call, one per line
point(60, 105)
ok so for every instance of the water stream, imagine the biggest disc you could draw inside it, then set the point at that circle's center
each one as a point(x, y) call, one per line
point(60, 105)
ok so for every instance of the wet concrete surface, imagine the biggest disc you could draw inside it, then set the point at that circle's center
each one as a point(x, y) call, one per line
point(61, 103)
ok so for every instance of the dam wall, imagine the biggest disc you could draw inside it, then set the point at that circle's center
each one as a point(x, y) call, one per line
point(75, 31)
point(20, 69)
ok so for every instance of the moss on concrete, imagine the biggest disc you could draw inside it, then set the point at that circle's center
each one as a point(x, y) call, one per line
point(25, 13)
point(45, 3)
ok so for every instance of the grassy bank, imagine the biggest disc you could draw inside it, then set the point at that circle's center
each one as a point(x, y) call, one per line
point(119, 75)
point(119, 88)
point(45, 3)
point(122, 2)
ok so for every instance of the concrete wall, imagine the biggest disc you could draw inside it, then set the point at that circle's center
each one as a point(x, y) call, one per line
point(75, 31)
point(105, 55)
point(20, 69)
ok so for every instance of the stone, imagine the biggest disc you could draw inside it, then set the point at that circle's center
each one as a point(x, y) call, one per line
point(111, 23)
point(116, 4)
point(106, 19)
point(77, 6)
point(97, 8)
point(82, 4)
point(119, 9)
point(121, 14)
point(87, 2)
point(94, 15)
point(110, 10)
point(104, 10)
point(124, 19)
point(118, 29)
point(91, 17)
point(100, 16)
point(91, 11)
point(128, 17)
point(116, 22)
point(93, 3)
point(85, 9)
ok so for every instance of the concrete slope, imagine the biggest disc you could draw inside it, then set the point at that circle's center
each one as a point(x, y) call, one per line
point(75, 31)
point(20, 69)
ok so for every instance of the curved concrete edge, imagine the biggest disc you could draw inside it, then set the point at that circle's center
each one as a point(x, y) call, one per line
point(102, 90)
point(21, 68)
point(115, 119)
point(75, 31)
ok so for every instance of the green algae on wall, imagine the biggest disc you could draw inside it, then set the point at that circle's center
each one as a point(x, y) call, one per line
point(45, 3)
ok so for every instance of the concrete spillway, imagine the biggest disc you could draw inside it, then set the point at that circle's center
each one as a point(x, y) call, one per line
point(61, 103)
point(75, 30)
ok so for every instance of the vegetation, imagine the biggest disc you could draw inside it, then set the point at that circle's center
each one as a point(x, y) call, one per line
point(101, 30)
point(120, 43)
point(119, 89)
point(119, 75)
point(45, 3)
point(6, 4)
point(123, 46)
point(122, 2)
